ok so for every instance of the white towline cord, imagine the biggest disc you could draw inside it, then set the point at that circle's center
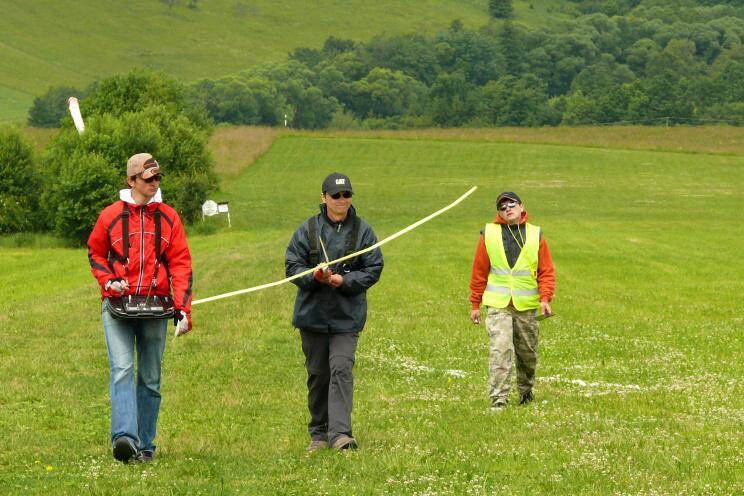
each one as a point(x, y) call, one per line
point(351, 255)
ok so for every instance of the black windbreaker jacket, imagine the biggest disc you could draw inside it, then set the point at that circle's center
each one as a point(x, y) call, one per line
point(321, 308)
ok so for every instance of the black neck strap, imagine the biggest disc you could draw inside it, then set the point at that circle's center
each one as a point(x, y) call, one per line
point(124, 232)
point(158, 255)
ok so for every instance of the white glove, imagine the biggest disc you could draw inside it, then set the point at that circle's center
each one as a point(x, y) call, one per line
point(117, 285)
point(183, 322)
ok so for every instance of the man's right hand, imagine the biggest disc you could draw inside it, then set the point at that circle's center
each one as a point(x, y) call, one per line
point(475, 316)
point(323, 275)
point(117, 285)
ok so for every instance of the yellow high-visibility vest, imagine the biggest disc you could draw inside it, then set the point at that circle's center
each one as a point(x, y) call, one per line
point(518, 283)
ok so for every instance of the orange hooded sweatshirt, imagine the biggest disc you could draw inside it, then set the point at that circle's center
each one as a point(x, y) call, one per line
point(482, 265)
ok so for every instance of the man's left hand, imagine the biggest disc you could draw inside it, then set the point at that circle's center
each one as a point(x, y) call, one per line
point(183, 322)
point(336, 280)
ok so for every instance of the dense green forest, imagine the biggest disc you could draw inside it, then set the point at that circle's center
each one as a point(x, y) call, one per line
point(636, 61)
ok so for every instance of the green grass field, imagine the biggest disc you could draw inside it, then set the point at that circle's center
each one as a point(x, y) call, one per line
point(640, 382)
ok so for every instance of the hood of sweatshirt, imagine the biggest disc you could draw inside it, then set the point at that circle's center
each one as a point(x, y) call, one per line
point(126, 195)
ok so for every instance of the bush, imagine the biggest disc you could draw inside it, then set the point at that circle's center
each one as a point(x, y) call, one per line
point(730, 113)
point(398, 122)
point(385, 93)
point(49, 109)
point(19, 187)
point(85, 172)
point(237, 100)
point(87, 183)
point(500, 9)
point(187, 192)
point(264, 95)
point(138, 90)
point(343, 119)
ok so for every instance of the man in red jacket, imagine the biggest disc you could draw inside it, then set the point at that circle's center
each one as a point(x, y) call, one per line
point(513, 276)
point(137, 250)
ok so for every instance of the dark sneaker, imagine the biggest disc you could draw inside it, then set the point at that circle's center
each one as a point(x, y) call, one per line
point(317, 444)
point(124, 449)
point(145, 456)
point(498, 406)
point(344, 442)
point(525, 398)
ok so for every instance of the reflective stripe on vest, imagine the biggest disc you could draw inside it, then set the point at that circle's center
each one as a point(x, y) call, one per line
point(506, 272)
point(517, 284)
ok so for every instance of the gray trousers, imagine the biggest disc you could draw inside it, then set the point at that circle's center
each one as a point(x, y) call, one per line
point(329, 360)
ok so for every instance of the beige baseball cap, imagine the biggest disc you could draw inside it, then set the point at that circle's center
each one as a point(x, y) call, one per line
point(142, 165)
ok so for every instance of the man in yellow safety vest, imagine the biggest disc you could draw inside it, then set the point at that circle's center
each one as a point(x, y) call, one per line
point(514, 278)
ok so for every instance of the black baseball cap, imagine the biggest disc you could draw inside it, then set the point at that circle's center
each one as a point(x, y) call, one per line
point(507, 195)
point(336, 183)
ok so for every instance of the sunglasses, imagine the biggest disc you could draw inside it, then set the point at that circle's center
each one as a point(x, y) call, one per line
point(505, 206)
point(345, 194)
point(156, 177)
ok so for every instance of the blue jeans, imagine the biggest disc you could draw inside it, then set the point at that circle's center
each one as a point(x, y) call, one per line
point(134, 409)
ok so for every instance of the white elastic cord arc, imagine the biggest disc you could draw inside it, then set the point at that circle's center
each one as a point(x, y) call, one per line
point(325, 253)
point(346, 257)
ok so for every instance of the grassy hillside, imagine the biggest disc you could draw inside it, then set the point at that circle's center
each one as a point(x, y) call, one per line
point(639, 386)
point(236, 147)
point(46, 42)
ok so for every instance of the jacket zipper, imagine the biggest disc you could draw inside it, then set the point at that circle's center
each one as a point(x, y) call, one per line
point(142, 249)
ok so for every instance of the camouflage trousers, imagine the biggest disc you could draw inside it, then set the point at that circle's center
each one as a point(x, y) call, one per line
point(511, 333)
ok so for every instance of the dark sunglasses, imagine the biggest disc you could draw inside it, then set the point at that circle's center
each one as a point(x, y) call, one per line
point(346, 194)
point(156, 177)
point(504, 206)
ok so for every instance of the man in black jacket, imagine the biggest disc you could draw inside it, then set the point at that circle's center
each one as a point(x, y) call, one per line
point(331, 307)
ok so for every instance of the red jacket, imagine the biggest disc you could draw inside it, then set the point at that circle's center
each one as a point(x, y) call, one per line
point(482, 264)
point(107, 261)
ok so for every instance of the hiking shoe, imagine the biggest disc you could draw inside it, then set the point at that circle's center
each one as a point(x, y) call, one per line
point(317, 444)
point(498, 406)
point(344, 442)
point(124, 449)
point(145, 456)
point(525, 398)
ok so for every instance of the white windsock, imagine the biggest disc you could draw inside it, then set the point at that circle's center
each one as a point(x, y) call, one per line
point(77, 117)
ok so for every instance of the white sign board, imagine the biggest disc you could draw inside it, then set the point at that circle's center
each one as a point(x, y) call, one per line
point(211, 207)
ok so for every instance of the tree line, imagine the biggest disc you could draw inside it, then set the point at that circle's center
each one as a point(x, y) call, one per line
point(622, 61)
